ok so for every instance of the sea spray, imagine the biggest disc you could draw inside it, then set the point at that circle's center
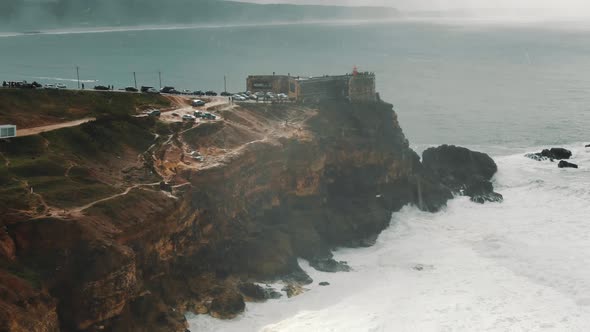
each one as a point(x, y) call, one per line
point(516, 265)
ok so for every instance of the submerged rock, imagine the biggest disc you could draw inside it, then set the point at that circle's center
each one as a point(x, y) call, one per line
point(299, 277)
point(535, 156)
point(252, 291)
point(565, 164)
point(329, 265)
point(293, 290)
point(483, 191)
point(227, 305)
point(422, 267)
point(273, 294)
point(257, 293)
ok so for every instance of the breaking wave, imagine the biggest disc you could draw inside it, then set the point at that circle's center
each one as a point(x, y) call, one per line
point(520, 265)
point(63, 79)
point(184, 27)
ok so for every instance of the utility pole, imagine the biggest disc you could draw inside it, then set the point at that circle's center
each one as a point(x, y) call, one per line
point(224, 84)
point(135, 79)
point(78, 75)
point(160, 78)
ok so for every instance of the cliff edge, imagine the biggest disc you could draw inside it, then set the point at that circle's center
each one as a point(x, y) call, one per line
point(125, 223)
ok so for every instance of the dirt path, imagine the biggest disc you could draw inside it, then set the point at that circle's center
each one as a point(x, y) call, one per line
point(42, 129)
point(6, 161)
point(79, 210)
point(215, 102)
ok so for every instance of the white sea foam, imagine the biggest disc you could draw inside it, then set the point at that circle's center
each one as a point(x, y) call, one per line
point(523, 265)
point(164, 27)
point(63, 79)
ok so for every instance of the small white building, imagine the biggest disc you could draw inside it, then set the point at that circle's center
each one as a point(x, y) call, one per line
point(7, 131)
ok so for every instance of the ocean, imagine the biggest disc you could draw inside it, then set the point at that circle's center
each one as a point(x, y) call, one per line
point(517, 266)
point(504, 89)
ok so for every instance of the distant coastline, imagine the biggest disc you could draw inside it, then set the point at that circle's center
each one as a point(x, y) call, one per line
point(41, 16)
point(132, 28)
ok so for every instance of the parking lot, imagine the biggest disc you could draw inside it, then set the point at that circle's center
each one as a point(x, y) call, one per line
point(184, 109)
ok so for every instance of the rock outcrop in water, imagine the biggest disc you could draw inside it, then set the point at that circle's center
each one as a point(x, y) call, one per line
point(565, 164)
point(551, 154)
point(463, 171)
point(185, 235)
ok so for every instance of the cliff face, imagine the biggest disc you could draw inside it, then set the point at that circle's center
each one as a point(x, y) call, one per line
point(278, 183)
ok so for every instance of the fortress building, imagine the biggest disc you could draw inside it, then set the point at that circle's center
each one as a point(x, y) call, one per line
point(268, 83)
point(355, 87)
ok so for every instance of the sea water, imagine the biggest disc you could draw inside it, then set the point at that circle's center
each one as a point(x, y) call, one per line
point(521, 265)
point(516, 85)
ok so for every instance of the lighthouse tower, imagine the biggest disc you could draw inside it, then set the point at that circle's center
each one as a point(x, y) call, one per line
point(361, 87)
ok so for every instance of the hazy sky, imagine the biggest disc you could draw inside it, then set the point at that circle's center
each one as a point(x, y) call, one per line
point(563, 6)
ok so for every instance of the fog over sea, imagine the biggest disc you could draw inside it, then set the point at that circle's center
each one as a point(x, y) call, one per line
point(504, 89)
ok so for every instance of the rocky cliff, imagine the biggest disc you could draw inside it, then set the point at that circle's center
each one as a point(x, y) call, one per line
point(151, 231)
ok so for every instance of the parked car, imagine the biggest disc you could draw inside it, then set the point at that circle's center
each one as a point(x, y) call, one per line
point(225, 94)
point(167, 89)
point(199, 93)
point(101, 88)
point(145, 88)
point(197, 103)
point(238, 98)
point(130, 89)
point(61, 86)
point(188, 117)
point(154, 113)
point(211, 93)
point(198, 114)
point(153, 91)
point(186, 92)
point(50, 87)
point(209, 116)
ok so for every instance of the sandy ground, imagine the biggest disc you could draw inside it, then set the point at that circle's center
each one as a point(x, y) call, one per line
point(250, 126)
point(180, 107)
point(42, 129)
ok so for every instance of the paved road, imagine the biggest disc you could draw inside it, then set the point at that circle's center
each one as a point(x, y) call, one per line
point(42, 129)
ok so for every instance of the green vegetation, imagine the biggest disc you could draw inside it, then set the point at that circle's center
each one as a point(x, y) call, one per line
point(112, 208)
point(103, 137)
point(67, 167)
point(31, 108)
point(23, 272)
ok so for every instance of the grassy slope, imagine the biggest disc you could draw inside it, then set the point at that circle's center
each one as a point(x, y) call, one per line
point(31, 108)
point(68, 167)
